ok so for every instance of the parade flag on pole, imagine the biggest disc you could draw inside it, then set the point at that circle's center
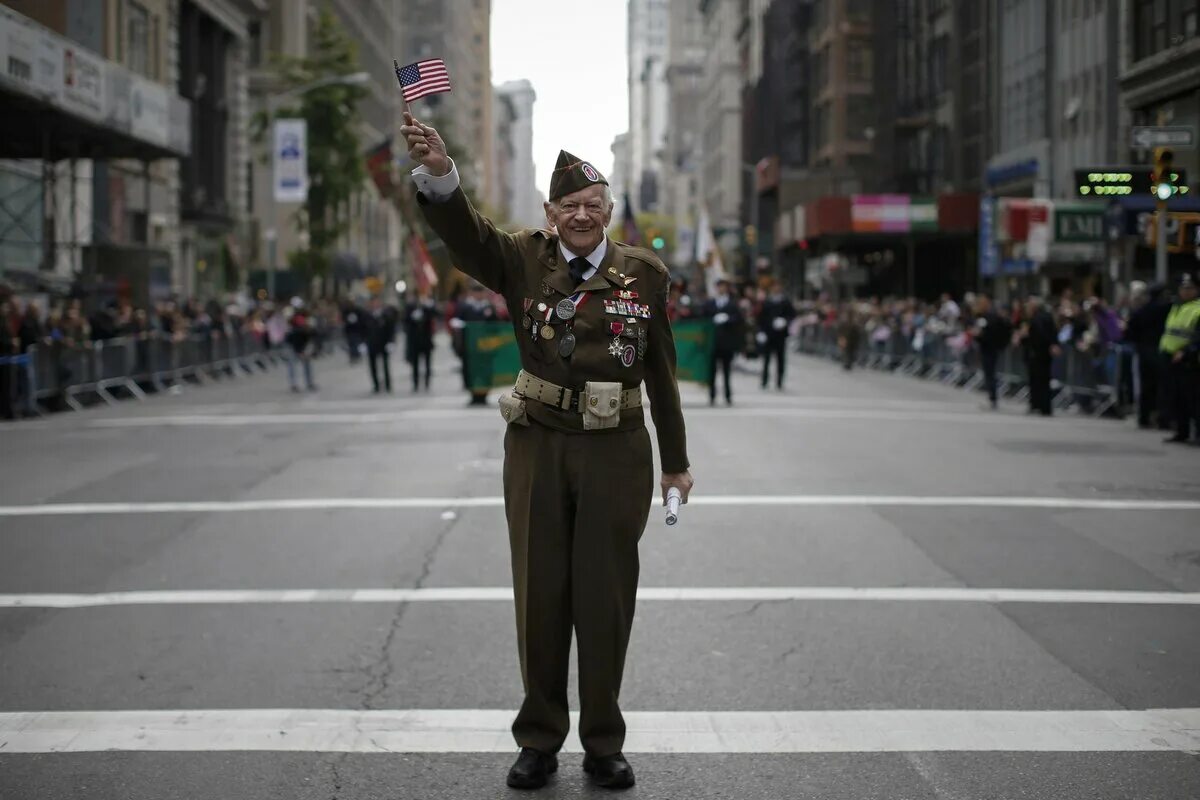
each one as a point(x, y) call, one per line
point(423, 78)
point(708, 252)
point(629, 223)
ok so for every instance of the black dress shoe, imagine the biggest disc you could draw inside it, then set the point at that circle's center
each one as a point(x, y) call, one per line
point(611, 772)
point(531, 769)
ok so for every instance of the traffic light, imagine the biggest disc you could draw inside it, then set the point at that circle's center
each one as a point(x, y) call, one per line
point(658, 243)
point(1166, 181)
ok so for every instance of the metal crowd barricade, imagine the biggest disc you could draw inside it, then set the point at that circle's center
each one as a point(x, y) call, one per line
point(131, 366)
point(1085, 379)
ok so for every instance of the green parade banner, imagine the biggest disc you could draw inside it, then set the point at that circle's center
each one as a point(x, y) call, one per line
point(493, 359)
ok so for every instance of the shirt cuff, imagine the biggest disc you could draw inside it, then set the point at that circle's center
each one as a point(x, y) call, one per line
point(437, 188)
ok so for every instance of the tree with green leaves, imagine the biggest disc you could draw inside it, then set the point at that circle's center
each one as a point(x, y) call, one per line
point(335, 159)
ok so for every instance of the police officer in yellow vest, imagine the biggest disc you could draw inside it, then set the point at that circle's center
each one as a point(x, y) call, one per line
point(1180, 348)
point(590, 318)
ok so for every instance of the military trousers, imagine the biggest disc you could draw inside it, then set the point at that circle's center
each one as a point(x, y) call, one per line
point(577, 504)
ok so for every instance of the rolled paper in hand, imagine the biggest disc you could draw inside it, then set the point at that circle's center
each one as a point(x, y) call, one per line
point(673, 500)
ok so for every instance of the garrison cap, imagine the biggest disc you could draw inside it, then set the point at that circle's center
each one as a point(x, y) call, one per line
point(572, 174)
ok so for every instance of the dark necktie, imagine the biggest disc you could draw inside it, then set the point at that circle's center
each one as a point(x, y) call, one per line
point(578, 267)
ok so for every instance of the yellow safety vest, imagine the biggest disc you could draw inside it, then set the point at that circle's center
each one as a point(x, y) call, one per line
point(1181, 325)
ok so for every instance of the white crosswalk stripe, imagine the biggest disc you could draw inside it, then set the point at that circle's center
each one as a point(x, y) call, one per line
point(487, 731)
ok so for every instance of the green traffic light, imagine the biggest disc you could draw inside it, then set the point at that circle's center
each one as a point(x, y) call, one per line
point(658, 243)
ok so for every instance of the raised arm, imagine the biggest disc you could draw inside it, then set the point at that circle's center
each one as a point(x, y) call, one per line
point(480, 249)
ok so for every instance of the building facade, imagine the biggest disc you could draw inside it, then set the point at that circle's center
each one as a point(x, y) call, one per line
point(648, 99)
point(721, 123)
point(518, 198)
point(682, 159)
point(457, 31)
point(215, 180)
point(372, 246)
point(90, 193)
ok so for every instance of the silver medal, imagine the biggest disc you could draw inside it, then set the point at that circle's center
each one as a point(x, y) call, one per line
point(565, 309)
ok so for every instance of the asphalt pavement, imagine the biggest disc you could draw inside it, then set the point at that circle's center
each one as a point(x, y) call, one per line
point(880, 591)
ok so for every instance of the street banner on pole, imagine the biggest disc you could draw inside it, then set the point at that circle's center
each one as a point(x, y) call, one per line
point(290, 158)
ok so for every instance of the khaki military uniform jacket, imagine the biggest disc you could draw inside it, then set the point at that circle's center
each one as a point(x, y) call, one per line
point(624, 314)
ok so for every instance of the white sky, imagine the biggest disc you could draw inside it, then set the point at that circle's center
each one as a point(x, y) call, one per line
point(574, 54)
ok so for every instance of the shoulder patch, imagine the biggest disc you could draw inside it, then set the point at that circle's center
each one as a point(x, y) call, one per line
point(644, 255)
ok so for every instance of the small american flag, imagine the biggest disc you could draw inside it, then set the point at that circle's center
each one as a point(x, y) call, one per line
point(423, 78)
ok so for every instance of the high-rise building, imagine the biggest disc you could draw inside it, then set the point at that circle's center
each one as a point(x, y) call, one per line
point(1084, 98)
point(845, 118)
point(1020, 69)
point(517, 197)
point(621, 179)
point(648, 99)
point(457, 31)
point(1160, 76)
point(106, 83)
point(681, 164)
point(721, 122)
point(372, 244)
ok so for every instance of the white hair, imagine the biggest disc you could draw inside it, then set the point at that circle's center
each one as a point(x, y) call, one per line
point(608, 198)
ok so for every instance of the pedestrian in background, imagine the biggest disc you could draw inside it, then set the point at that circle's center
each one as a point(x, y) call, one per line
point(1180, 349)
point(849, 336)
point(992, 333)
point(380, 323)
point(301, 342)
point(355, 329)
point(420, 317)
point(726, 315)
point(1144, 332)
point(774, 320)
point(474, 308)
point(1039, 343)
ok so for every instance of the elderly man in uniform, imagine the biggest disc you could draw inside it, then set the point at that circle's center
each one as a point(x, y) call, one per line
point(590, 315)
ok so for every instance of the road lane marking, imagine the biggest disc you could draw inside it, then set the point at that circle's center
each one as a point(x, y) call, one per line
point(736, 594)
point(488, 731)
point(459, 415)
point(445, 503)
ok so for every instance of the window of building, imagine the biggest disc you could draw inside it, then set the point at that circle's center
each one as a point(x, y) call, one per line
point(137, 38)
point(255, 44)
point(860, 118)
point(858, 61)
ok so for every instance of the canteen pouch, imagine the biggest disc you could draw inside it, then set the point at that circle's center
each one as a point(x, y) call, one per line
point(601, 405)
point(512, 408)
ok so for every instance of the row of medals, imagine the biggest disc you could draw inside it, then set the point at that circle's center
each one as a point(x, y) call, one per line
point(564, 311)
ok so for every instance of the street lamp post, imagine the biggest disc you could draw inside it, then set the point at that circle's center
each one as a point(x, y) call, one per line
point(273, 103)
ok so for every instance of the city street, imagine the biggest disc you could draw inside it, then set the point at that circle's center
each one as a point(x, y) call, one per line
point(878, 591)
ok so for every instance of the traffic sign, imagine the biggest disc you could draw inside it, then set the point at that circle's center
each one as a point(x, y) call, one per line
point(1146, 137)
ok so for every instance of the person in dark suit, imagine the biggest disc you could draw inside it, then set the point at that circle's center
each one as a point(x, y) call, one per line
point(727, 320)
point(381, 333)
point(420, 317)
point(993, 333)
point(1145, 329)
point(774, 318)
point(1039, 341)
point(355, 327)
